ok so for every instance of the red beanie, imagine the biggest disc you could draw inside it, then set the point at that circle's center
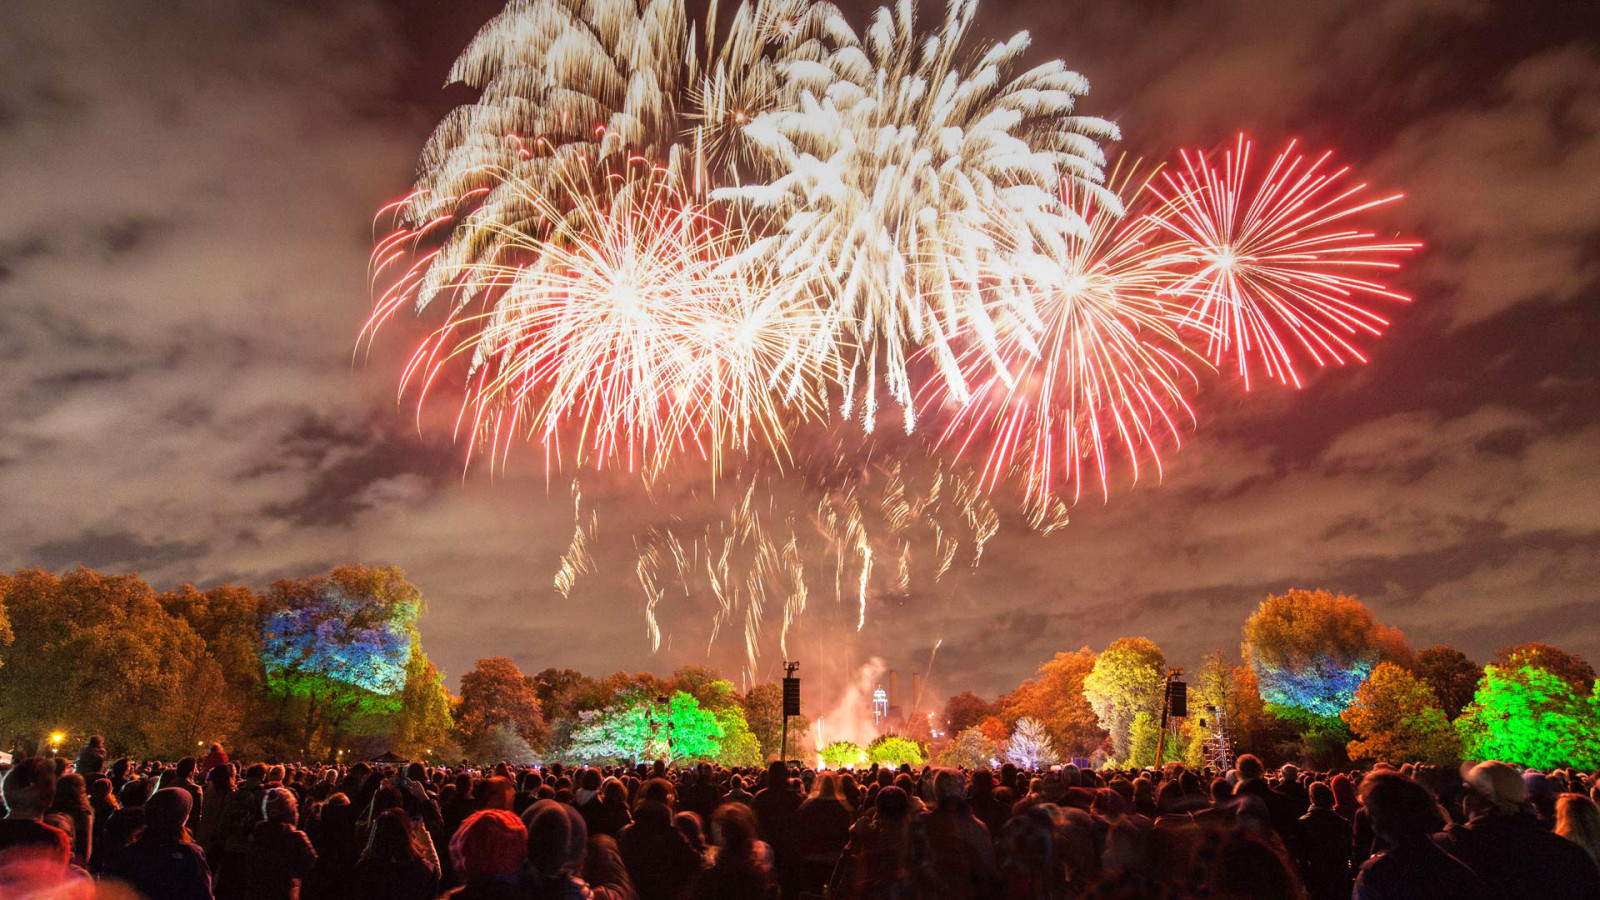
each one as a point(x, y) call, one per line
point(491, 842)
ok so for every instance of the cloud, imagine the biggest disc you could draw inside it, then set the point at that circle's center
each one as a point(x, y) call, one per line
point(1504, 188)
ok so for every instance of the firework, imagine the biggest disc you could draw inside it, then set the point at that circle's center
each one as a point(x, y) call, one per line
point(618, 320)
point(1268, 264)
point(1104, 371)
point(912, 184)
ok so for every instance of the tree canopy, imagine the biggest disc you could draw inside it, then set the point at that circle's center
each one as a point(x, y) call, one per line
point(1030, 746)
point(1055, 697)
point(1310, 650)
point(1396, 718)
point(1569, 667)
point(1530, 716)
point(1451, 674)
point(1128, 678)
point(495, 693)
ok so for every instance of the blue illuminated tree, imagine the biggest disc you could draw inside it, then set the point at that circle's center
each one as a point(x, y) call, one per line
point(335, 648)
point(1312, 649)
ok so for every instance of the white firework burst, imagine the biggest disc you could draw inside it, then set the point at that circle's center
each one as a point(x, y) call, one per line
point(597, 80)
point(914, 178)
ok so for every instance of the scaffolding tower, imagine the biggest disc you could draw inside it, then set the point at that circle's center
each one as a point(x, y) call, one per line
point(1219, 754)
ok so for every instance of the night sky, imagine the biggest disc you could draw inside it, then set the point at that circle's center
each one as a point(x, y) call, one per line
point(187, 191)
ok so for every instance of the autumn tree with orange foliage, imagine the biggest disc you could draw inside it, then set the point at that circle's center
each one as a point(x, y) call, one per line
point(496, 693)
point(1055, 697)
point(1396, 718)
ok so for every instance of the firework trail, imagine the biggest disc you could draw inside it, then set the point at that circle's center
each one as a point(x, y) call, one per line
point(1268, 265)
point(576, 561)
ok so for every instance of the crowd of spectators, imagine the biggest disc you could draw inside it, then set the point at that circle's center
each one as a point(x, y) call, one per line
point(208, 828)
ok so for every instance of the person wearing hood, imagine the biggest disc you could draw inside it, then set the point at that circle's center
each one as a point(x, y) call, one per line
point(164, 861)
point(557, 839)
point(280, 855)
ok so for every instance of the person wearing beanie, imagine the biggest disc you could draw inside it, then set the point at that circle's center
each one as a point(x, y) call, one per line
point(556, 842)
point(164, 862)
point(280, 855)
point(487, 853)
point(1504, 843)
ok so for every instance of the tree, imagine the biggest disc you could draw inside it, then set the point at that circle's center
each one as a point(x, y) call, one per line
point(1396, 718)
point(202, 708)
point(691, 733)
point(970, 749)
point(1127, 679)
point(763, 710)
point(1143, 736)
point(1452, 676)
point(614, 734)
point(994, 728)
point(704, 684)
point(424, 721)
point(502, 743)
point(1312, 649)
point(1568, 667)
point(496, 692)
point(228, 619)
point(964, 711)
point(1030, 746)
point(564, 692)
point(739, 746)
point(894, 750)
point(335, 648)
point(5, 626)
point(92, 653)
point(639, 728)
point(1055, 697)
point(843, 755)
point(1532, 717)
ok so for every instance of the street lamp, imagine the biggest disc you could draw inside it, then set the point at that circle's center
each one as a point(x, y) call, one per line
point(55, 742)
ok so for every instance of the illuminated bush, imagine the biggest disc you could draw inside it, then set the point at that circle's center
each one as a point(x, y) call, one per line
point(843, 755)
point(1532, 717)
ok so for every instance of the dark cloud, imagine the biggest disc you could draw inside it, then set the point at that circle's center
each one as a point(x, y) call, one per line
point(182, 276)
point(114, 551)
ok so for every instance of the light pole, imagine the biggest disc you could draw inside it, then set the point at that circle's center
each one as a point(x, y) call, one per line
point(55, 743)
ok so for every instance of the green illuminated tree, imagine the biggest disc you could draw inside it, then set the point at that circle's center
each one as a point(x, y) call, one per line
point(620, 734)
point(641, 728)
point(843, 755)
point(1569, 667)
point(1127, 679)
point(1532, 717)
point(1396, 718)
point(970, 749)
point(740, 747)
point(1452, 676)
point(893, 750)
point(692, 733)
